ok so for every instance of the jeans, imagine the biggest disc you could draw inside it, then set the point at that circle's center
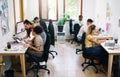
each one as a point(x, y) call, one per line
point(98, 52)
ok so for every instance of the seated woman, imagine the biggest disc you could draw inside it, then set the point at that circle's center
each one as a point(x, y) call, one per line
point(36, 47)
point(93, 46)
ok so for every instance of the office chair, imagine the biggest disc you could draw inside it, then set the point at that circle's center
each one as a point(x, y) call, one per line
point(71, 29)
point(37, 60)
point(51, 32)
point(71, 26)
point(76, 30)
point(86, 56)
point(43, 24)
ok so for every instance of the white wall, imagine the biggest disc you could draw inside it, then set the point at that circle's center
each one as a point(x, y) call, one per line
point(5, 38)
point(115, 16)
point(100, 13)
point(88, 10)
point(101, 19)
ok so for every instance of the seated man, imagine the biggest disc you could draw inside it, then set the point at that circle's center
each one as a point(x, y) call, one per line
point(84, 29)
point(36, 21)
point(36, 46)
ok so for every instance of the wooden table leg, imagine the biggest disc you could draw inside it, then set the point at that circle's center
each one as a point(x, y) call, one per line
point(1, 59)
point(110, 61)
point(22, 59)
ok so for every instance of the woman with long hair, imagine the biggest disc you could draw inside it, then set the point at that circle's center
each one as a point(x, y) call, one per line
point(93, 46)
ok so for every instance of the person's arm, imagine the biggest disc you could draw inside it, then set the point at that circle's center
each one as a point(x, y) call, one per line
point(25, 37)
point(35, 48)
point(98, 42)
point(80, 32)
point(37, 44)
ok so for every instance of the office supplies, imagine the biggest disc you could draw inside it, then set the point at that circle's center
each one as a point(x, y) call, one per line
point(16, 39)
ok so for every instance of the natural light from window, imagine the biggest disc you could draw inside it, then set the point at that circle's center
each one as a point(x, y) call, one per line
point(52, 12)
point(72, 8)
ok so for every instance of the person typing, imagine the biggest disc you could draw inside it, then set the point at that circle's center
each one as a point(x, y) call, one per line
point(93, 46)
point(35, 47)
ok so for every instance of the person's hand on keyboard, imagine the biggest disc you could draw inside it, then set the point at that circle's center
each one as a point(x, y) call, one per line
point(26, 45)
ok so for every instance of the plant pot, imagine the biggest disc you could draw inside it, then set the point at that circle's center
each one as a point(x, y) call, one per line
point(60, 28)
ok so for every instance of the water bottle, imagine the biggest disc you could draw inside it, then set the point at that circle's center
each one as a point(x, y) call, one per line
point(8, 45)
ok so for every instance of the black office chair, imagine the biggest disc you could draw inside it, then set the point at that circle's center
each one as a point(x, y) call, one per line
point(37, 60)
point(43, 24)
point(86, 56)
point(76, 30)
point(70, 27)
point(51, 32)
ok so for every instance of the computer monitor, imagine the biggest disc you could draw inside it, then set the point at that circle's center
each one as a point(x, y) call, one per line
point(20, 27)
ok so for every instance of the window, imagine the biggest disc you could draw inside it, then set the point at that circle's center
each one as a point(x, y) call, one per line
point(72, 8)
point(48, 9)
point(52, 9)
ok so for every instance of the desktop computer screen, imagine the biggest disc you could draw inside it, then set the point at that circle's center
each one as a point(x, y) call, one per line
point(20, 27)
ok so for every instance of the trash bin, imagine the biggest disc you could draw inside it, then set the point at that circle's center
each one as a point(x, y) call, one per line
point(9, 73)
point(116, 66)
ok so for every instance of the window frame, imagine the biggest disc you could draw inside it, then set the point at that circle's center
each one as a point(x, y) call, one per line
point(80, 10)
point(64, 6)
point(40, 10)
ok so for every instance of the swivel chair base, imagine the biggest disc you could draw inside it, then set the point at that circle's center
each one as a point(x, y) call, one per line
point(38, 67)
point(78, 50)
point(90, 63)
point(52, 53)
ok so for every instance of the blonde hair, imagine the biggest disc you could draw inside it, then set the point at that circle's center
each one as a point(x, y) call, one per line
point(91, 28)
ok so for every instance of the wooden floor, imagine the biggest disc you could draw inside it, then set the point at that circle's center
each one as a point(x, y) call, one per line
point(65, 64)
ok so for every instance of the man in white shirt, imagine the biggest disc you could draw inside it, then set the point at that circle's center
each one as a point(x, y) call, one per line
point(84, 29)
point(78, 22)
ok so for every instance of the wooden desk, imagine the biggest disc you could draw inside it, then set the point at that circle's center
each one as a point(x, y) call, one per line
point(104, 37)
point(16, 50)
point(111, 53)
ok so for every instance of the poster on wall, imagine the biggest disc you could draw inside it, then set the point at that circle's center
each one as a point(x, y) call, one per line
point(4, 17)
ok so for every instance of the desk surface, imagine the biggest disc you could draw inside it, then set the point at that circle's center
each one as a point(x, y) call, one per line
point(15, 49)
point(111, 50)
point(111, 53)
point(104, 37)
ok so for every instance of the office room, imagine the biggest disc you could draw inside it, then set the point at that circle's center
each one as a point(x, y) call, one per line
point(59, 38)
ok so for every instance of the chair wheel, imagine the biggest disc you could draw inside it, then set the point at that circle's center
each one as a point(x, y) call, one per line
point(83, 70)
point(56, 53)
point(53, 57)
point(82, 65)
point(48, 72)
point(76, 52)
point(37, 75)
point(96, 72)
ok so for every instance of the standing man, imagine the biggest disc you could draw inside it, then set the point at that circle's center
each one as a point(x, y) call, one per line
point(28, 27)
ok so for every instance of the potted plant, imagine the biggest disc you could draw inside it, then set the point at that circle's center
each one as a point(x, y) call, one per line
point(61, 22)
